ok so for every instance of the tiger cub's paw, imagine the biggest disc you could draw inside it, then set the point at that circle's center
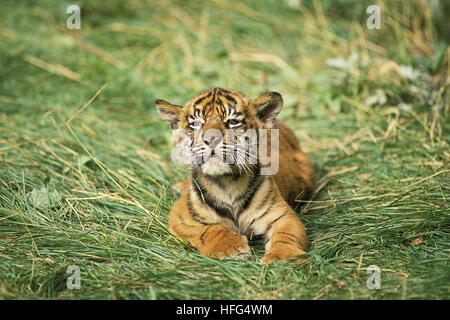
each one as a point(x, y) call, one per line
point(220, 242)
point(285, 253)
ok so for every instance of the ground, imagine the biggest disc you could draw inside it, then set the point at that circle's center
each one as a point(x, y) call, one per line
point(85, 171)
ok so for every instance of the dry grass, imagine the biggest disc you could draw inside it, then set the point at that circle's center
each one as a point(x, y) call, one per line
point(85, 176)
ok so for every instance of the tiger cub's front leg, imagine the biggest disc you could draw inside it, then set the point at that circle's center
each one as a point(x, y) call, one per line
point(285, 237)
point(213, 240)
point(218, 241)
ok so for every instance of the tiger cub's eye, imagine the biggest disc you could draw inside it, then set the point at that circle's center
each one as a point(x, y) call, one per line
point(233, 123)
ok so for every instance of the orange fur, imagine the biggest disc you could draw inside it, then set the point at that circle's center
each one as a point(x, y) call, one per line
point(221, 204)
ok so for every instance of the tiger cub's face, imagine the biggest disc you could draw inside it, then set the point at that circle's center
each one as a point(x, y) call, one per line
point(217, 130)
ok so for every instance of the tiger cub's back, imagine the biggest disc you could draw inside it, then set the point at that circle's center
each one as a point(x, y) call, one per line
point(295, 177)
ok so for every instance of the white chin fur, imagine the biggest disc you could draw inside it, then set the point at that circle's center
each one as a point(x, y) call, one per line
point(215, 167)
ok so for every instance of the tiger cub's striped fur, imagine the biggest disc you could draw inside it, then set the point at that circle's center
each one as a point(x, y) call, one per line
point(222, 204)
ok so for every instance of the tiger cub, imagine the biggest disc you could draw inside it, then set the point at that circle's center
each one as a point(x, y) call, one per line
point(233, 193)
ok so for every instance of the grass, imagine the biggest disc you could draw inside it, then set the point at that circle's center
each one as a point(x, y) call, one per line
point(85, 176)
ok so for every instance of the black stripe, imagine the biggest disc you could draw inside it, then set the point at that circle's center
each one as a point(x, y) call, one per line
point(223, 91)
point(194, 214)
point(272, 202)
point(292, 145)
point(178, 233)
point(201, 236)
point(219, 232)
point(272, 199)
point(221, 211)
point(221, 106)
point(204, 232)
point(220, 103)
point(230, 98)
point(270, 224)
point(233, 175)
point(200, 100)
point(288, 234)
point(232, 107)
point(213, 101)
point(254, 184)
point(212, 202)
point(281, 241)
point(213, 180)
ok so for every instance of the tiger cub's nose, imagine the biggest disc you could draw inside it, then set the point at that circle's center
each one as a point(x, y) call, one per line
point(212, 138)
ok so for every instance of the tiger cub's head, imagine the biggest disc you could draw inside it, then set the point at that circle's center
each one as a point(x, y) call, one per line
point(217, 130)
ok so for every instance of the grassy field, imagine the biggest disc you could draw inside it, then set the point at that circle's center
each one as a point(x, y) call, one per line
point(85, 171)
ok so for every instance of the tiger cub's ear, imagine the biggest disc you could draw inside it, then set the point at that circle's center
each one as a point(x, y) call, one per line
point(267, 107)
point(169, 112)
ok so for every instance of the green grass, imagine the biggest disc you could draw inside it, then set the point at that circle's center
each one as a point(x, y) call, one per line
point(90, 184)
